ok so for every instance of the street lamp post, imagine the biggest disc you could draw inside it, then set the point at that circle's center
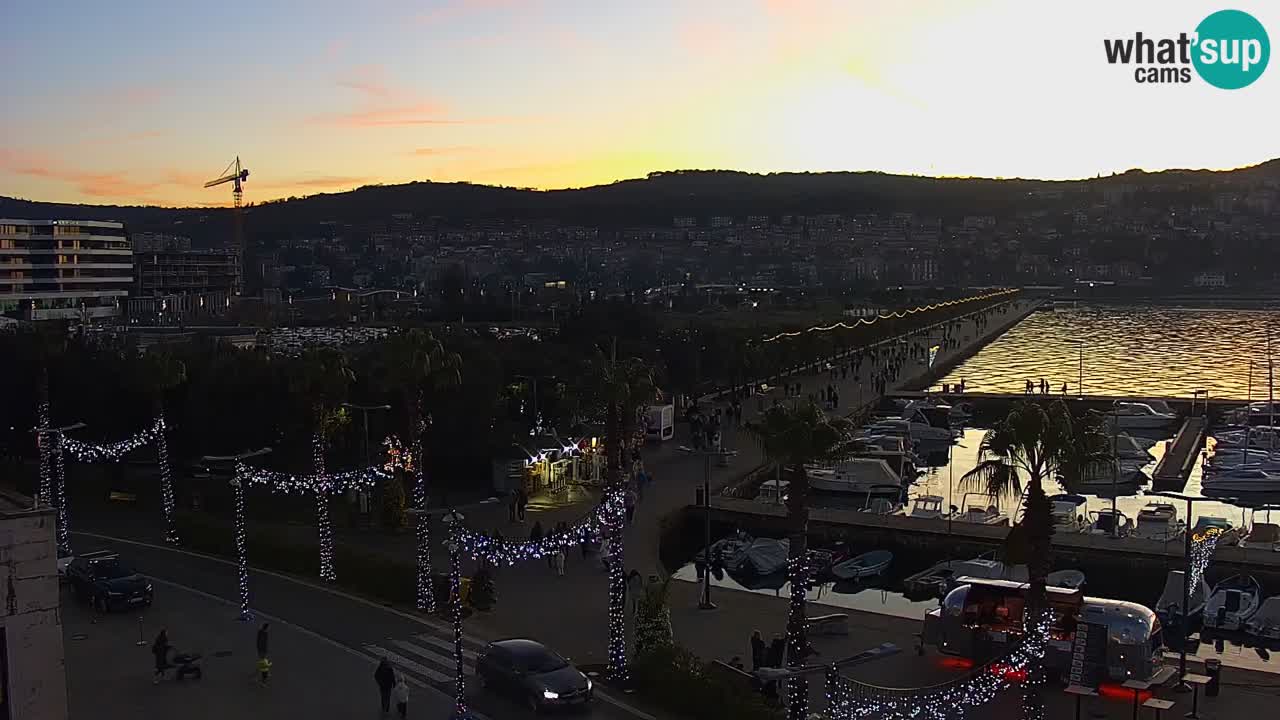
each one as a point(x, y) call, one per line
point(1186, 583)
point(704, 602)
point(368, 458)
point(242, 549)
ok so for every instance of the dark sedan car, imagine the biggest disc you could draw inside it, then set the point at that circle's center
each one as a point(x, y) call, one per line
point(534, 673)
point(107, 583)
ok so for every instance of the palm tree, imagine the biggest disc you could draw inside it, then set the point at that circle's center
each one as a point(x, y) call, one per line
point(622, 389)
point(794, 435)
point(161, 373)
point(416, 363)
point(321, 381)
point(1038, 444)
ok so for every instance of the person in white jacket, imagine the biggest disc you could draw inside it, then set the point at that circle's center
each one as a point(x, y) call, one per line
point(401, 695)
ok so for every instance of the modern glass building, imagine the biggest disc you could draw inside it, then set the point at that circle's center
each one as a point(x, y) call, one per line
point(64, 269)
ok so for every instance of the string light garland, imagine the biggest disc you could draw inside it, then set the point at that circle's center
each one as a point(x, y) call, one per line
point(615, 516)
point(426, 595)
point(46, 458)
point(60, 475)
point(851, 700)
point(1203, 545)
point(90, 452)
point(797, 685)
point(455, 614)
point(83, 451)
point(500, 551)
point(242, 549)
point(280, 482)
point(324, 527)
point(890, 316)
point(166, 486)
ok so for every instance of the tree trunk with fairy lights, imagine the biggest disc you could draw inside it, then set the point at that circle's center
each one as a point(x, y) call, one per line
point(798, 575)
point(324, 524)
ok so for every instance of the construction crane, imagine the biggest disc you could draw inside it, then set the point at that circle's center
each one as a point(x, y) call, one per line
point(238, 176)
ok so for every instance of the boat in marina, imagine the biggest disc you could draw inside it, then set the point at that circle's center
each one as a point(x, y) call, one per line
point(1261, 437)
point(1170, 601)
point(882, 500)
point(1158, 521)
point(1262, 536)
point(1119, 475)
point(957, 412)
point(773, 491)
point(980, 512)
point(937, 579)
point(1263, 412)
point(1109, 522)
point(1232, 602)
point(1139, 416)
point(853, 475)
point(892, 427)
point(930, 424)
point(1242, 480)
point(1265, 624)
point(1227, 533)
point(729, 552)
point(1068, 512)
point(926, 506)
point(1072, 579)
point(868, 564)
point(764, 557)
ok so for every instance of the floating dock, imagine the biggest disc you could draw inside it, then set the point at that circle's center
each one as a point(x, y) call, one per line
point(1172, 470)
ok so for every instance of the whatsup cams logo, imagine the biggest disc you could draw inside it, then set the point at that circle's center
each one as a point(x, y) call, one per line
point(1229, 50)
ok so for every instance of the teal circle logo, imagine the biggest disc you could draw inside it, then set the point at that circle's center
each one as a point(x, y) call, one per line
point(1232, 49)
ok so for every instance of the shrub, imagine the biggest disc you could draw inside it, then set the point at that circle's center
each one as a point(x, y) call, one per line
point(675, 679)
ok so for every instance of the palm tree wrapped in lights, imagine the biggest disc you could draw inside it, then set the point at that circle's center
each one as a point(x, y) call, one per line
point(794, 435)
point(1037, 443)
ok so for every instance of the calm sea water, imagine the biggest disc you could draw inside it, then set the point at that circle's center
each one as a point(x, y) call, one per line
point(1130, 350)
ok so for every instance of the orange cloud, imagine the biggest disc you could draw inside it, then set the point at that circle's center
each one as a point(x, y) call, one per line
point(434, 151)
point(104, 184)
point(370, 80)
point(323, 181)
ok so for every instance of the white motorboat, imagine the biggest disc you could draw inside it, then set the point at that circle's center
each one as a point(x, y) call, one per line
point(1070, 579)
point(765, 556)
point(982, 512)
point(727, 552)
point(1158, 521)
point(1231, 457)
point(1068, 512)
point(773, 491)
point(1120, 475)
point(1244, 480)
point(1139, 416)
point(931, 424)
point(1226, 532)
point(1130, 449)
point(883, 500)
point(1265, 624)
point(893, 427)
point(1171, 597)
point(1109, 522)
point(936, 579)
point(957, 412)
point(1262, 536)
point(866, 565)
point(926, 506)
point(853, 475)
point(1255, 438)
point(1232, 602)
point(1262, 412)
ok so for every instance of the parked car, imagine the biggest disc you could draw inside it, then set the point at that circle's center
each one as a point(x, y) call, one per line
point(104, 581)
point(533, 673)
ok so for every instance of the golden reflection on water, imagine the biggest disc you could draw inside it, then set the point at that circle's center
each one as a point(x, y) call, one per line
point(1129, 350)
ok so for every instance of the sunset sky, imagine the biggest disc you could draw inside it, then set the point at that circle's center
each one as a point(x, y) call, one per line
point(141, 101)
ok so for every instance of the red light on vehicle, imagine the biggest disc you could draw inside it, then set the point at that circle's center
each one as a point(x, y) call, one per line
point(955, 663)
point(1009, 672)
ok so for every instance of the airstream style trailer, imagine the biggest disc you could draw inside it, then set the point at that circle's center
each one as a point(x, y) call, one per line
point(1092, 640)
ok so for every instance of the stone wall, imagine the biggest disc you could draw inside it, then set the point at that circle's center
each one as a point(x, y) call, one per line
point(30, 615)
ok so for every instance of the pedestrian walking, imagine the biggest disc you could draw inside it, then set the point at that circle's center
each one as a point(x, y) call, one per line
point(629, 501)
point(606, 552)
point(264, 671)
point(401, 695)
point(757, 651)
point(558, 562)
point(522, 502)
point(264, 640)
point(513, 508)
point(160, 651)
point(635, 587)
point(777, 648)
point(535, 535)
point(386, 679)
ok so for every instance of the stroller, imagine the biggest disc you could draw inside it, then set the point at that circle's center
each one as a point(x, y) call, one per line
point(185, 664)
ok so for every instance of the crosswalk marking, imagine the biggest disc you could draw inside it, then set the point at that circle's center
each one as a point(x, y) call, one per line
point(408, 664)
point(445, 645)
point(429, 654)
